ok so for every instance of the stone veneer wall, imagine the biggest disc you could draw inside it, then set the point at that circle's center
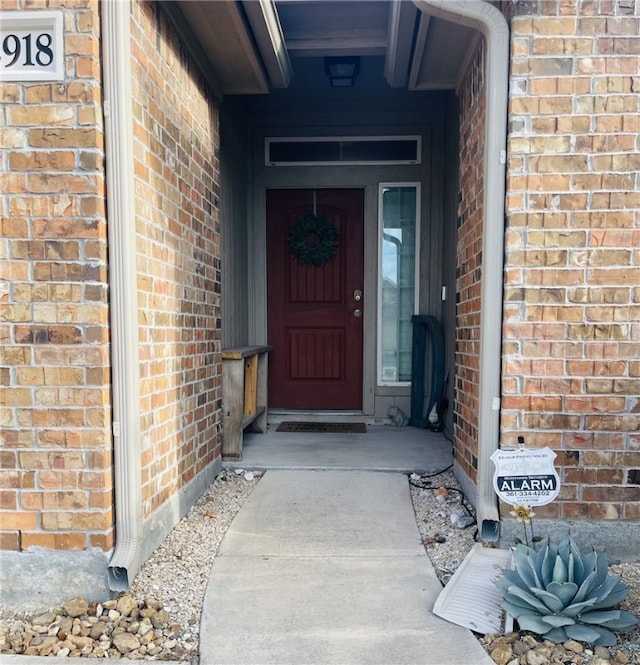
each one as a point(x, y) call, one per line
point(571, 362)
point(56, 467)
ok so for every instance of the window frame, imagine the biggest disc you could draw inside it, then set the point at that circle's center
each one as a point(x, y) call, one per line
point(342, 139)
point(382, 186)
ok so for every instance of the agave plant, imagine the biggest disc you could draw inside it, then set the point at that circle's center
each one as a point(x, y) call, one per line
point(560, 594)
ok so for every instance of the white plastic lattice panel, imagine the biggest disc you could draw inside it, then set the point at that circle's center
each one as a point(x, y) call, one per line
point(471, 599)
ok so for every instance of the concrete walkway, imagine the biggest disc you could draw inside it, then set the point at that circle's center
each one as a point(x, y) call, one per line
point(323, 565)
point(326, 567)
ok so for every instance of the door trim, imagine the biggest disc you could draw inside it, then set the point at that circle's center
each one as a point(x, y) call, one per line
point(257, 251)
point(430, 127)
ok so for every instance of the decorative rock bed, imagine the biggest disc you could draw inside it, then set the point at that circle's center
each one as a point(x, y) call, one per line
point(118, 628)
point(159, 618)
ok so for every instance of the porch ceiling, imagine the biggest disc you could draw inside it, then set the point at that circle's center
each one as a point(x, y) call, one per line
point(253, 46)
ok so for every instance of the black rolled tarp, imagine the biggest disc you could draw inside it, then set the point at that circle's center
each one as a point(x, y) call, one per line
point(427, 330)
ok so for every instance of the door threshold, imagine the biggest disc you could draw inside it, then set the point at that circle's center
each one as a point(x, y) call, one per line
point(277, 416)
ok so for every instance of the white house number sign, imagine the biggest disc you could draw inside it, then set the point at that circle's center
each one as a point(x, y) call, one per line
point(31, 46)
point(525, 476)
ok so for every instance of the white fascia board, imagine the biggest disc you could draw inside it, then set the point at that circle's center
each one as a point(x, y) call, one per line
point(267, 31)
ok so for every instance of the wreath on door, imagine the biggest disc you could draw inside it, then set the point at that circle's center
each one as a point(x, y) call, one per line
point(314, 240)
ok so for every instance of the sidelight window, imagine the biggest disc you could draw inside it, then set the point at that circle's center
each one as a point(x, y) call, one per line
point(399, 233)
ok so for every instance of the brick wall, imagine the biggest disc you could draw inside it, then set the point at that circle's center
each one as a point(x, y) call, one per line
point(468, 272)
point(55, 476)
point(572, 303)
point(56, 479)
point(176, 165)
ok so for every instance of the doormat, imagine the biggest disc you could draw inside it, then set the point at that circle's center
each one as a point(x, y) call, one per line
point(322, 428)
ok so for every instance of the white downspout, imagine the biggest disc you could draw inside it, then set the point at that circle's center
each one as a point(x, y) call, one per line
point(118, 115)
point(491, 23)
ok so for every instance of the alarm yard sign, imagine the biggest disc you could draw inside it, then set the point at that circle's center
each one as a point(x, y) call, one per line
point(525, 476)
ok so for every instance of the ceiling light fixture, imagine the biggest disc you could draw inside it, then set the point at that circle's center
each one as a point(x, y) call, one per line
point(342, 71)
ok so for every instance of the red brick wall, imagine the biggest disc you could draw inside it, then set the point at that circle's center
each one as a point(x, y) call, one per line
point(55, 476)
point(56, 479)
point(572, 303)
point(176, 165)
point(469, 260)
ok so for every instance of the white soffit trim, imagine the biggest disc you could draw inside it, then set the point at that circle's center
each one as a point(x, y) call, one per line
point(223, 35)
point(442, 51)
point(362, 43)
point(267, 30)
point(421, 41)
point(402, 20)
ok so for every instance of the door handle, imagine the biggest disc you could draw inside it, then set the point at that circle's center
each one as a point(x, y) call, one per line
point(357, 295)
point(357, 313)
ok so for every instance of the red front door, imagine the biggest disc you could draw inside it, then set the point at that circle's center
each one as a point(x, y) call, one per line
point(315, 312)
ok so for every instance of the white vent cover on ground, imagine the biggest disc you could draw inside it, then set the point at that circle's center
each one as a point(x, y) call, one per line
point(471, 599)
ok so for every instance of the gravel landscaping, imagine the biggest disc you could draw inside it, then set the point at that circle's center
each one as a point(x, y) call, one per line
point(171, 584)
point(159, 617)
point(447, 546)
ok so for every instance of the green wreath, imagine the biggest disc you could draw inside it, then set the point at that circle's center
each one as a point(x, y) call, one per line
point(314, 240)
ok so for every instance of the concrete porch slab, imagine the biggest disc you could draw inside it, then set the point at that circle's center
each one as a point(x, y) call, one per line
point(382, 448)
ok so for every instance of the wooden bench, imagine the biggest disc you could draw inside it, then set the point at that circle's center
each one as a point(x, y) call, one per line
point(244, 396)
